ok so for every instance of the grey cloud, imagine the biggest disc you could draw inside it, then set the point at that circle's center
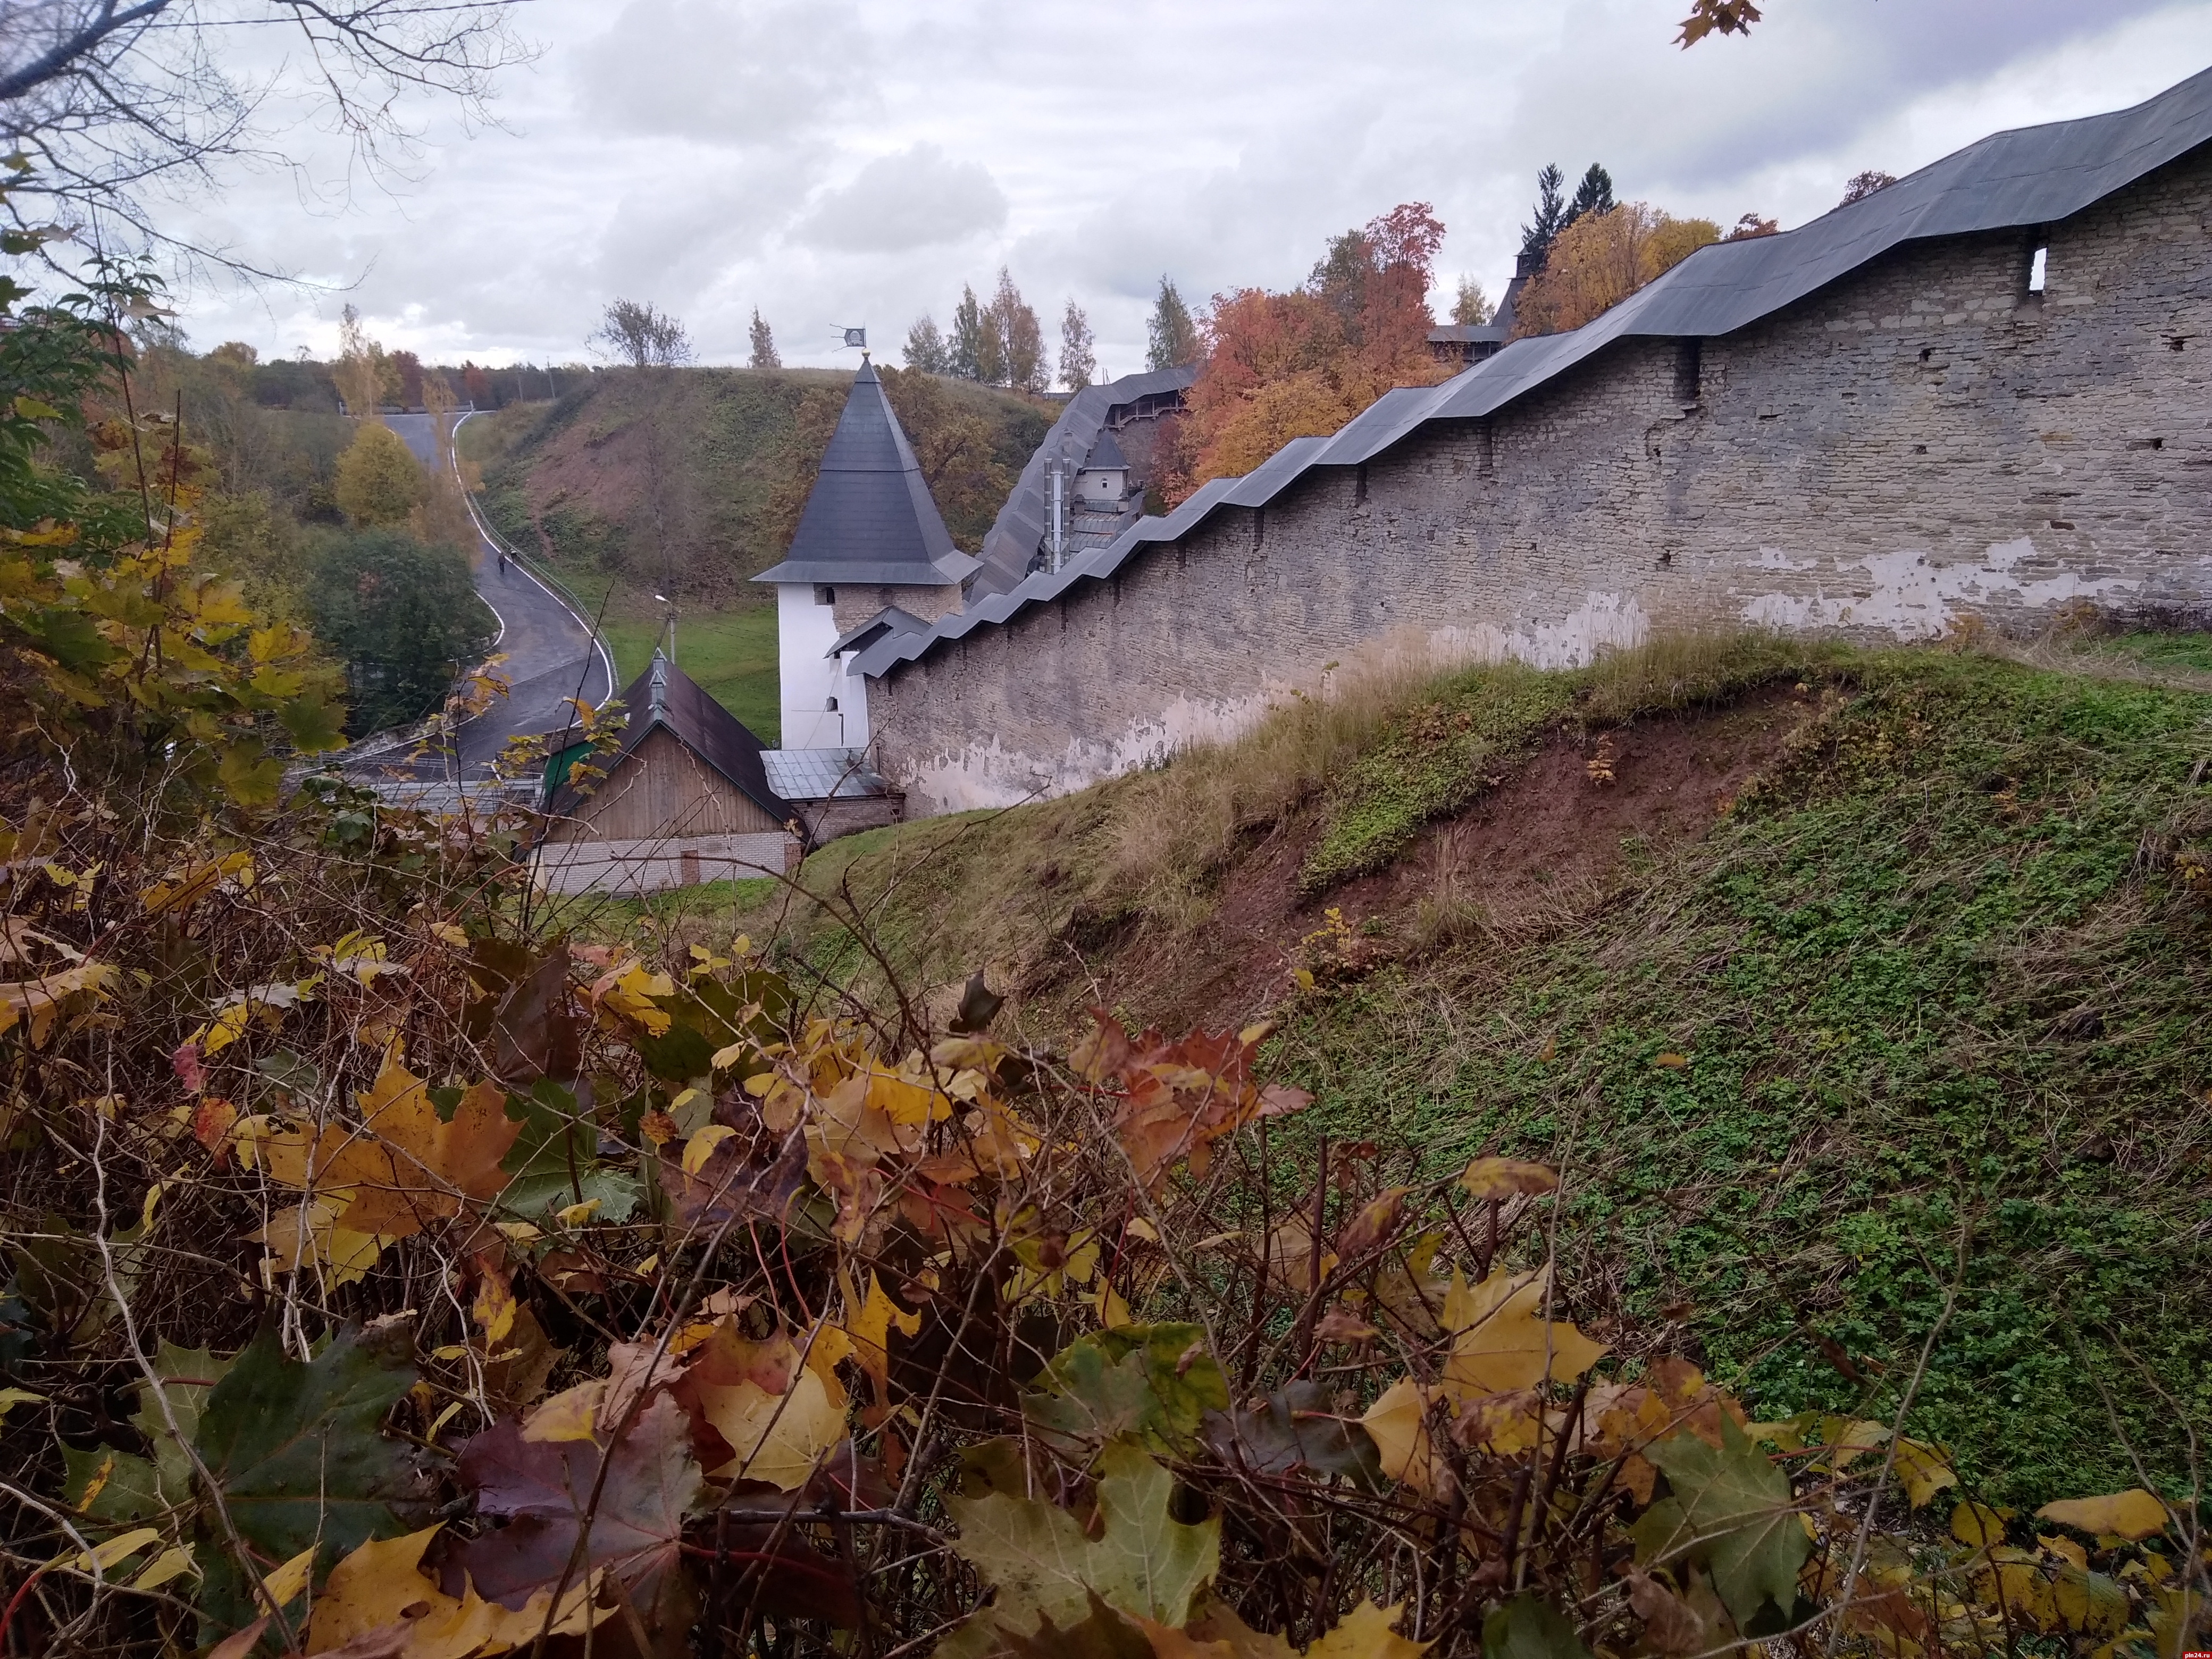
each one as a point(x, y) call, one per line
point(751, 73)
point(919, 198)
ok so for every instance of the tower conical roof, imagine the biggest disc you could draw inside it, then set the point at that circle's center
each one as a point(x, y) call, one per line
point(870, 518)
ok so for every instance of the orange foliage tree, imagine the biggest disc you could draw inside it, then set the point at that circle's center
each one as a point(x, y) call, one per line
point(1602, 259)
point(1284, 366)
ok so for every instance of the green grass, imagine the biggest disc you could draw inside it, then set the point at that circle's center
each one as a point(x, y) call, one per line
point(1941, 1005)
point(732, 653)
point(1940, 995)
point(2188, 652)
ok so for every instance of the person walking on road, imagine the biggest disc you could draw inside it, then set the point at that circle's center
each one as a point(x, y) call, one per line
point(502, 561)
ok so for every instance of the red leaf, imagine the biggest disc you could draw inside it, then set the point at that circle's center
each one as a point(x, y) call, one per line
point(636, 1530)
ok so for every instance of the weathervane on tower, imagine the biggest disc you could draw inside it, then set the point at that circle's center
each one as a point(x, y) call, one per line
point(857, 336)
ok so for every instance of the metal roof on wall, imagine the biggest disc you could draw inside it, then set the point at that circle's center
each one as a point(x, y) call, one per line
point(2016, 180)
point(870, 518)
point(1019, 529)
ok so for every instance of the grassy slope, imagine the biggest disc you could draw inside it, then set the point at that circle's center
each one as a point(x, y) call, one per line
point(1938, 991)
point(730, 652)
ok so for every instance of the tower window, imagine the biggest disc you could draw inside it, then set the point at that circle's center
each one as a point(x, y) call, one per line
point(2038, 264)
point(824, 595)
point(831, 707)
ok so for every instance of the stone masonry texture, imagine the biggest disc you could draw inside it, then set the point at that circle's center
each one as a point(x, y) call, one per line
point(1922, 441)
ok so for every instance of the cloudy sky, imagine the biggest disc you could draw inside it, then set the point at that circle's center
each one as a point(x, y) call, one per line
point(836, 161)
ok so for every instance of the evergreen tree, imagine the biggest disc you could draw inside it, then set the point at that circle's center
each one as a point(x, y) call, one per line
point(1079, 360)
point(1551, 214)
point(403, 617)
point(1171, 337)
point(1593, 195)
point(764, 354)
point(927, 351)
point(967, 344)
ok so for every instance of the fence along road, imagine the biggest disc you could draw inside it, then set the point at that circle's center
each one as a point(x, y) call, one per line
point(552, 652)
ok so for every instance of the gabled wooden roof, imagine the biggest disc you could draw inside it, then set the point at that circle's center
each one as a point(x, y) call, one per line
point(700, 724)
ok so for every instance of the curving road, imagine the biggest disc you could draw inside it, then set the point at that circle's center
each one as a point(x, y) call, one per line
point(551, 654)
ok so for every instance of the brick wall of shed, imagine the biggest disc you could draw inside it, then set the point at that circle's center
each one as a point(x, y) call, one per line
point(1919, 442)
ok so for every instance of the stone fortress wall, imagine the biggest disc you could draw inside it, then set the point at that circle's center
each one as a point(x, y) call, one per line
point(1921, 441)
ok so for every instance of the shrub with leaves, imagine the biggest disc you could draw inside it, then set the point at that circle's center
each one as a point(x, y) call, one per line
point(123, 663)
point(444, 1291)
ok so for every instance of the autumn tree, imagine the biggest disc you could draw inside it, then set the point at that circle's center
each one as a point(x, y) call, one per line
point(1171, 336)
point(361, 369)
point(441, 517)
point(764, 354)
point(476, 386)
point(640, 334)
point(1013, 340)
point(1602, 259)
point(1471, 307)
point(409, 369)
point(379, 481)
point(1078, 359)
point(1860, 186)
point(925, 350)
point(1284, 366)
point(1751, 225)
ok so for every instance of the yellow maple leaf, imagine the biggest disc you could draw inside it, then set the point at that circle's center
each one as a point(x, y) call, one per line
point(1501, 1341)
point(1502, 1177)
point(779, 1439)
point(382, 1582)
point(870, 1330)
point(494, 1307)
point(701, 1146)
point(289, 1582)
point(420, 1169)
point(1368, 1633)
point(1398, 1422)
point(307, 1235)
point(2133, 1513)
point(569, 1415)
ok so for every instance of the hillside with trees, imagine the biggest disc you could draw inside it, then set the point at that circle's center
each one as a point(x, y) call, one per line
point(683, 481)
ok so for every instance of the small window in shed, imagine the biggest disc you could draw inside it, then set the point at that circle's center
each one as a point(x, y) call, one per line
point(2038, 264)
point(831, 707)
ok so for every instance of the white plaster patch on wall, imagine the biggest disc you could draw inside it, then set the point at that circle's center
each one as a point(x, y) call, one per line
point(1913, 599)
point(992, 776)
point(1603, 621)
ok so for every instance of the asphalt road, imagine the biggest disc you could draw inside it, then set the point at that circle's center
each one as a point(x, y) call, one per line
point(550, 654)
